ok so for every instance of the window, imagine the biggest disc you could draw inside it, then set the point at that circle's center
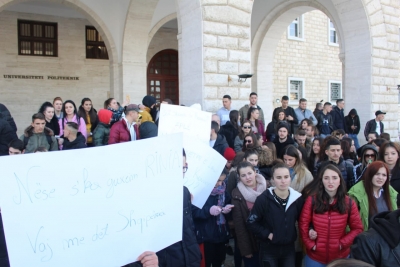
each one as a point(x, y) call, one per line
point(335, 90)
point(296, 29)
point(295, 89)
point(333, 40)
point(37, 38)
point(95, 46)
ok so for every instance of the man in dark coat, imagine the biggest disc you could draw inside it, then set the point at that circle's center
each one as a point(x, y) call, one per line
point(72, 138)
point(375, 125)
point(325, 121)
point(291, 117)
point(338, 116)
point(283, 140)
point(7, 134)
point(217, 141)
point(380, 245)
point(5, 113)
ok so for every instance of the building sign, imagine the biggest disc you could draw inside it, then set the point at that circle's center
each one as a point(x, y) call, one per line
point(33, 77)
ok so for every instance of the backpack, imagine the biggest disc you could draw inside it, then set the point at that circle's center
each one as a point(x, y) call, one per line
point(26, 140)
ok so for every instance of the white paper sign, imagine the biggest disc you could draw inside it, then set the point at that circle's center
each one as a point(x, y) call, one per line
point(205, 164)
point(99, 207)
point(195, 124)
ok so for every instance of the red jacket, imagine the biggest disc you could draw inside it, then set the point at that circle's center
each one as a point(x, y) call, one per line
point(331, 232)
point(119, 133)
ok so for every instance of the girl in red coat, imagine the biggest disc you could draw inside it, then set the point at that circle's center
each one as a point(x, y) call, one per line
point(325, 215)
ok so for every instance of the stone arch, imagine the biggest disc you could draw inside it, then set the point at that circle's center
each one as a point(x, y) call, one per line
point(352, 25)
point(160, 24)
point(96, 21)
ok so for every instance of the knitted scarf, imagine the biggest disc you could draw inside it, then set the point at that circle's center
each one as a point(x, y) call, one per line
point(250, 194)
point(220, 192)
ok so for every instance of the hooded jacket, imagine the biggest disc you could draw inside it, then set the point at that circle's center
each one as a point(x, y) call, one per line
point(358, 193)
point(332, 242)
point(101, 134)
point(39, 140)
point(79, 142)
point(352, 121)
point(380, 245)
point(268, 216)
point(220, 144)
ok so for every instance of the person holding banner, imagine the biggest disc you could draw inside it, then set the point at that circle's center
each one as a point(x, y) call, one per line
point(146, 259)
point(185, 253)
point(211, 227)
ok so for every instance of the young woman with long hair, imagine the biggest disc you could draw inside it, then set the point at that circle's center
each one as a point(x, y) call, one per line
point(349, 150)
point(117, 110)
point(373, 194)
point(299, 173)
point(249, 142)
point(47, 110)
point(328, 211)
point(272, 127)
point(314, 153)
point(250, 185)
point(273, 218)
point(369, 154)
point(256, 125)
point(70, 115)
point(89, 115)
point(57, 104)
point(389, 153)
point(245, 129)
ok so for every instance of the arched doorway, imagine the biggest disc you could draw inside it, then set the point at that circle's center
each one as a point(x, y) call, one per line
point(162, 76)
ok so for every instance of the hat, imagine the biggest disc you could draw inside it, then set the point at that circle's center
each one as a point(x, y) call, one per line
point(132, 107)
point(229, 154)
point(149, 100)
point(105, 115)
point(379, 113)
point(366, 147)
point(282, 125)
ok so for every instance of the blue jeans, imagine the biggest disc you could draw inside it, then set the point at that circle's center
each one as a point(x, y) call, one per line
point(272, 255)
point(355, 138)
point(312, 263)
point(252, 262)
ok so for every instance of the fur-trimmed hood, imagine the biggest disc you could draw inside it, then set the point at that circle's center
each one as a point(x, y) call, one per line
point(28, 132)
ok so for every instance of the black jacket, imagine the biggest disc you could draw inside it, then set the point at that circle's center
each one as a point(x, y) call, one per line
point(338, 119)
point(380, 245)
point(230, 133)
point(185, 253)
point(220, 144)
point(7, 134)
point(280, 146)
point(268, 216)
point(53, 125)
point(5, 114)
point(207, 229)
point(288, 111)
point(320, 120)
point(148, 129)
point(350, 121)
point(4, 262)
point(370, 127)
point(79, 142)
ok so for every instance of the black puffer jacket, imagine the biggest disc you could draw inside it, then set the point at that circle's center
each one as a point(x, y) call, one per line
point(185, 253)
point(5, 114)
point(230, 133)
point(79, 142)
point(380, 245)
point(7, 134)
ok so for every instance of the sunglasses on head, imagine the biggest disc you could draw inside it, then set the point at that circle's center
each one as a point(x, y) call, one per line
point(369, 155)
point(246, 127)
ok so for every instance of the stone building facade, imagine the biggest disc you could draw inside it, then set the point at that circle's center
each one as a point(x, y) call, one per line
point(216, 40)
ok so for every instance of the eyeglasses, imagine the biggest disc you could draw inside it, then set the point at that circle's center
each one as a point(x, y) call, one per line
point(369, 156)
point(185, 169)
point(248, 141)
point(246, 127)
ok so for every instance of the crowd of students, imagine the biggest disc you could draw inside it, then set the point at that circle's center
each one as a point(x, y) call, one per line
point(297, 191)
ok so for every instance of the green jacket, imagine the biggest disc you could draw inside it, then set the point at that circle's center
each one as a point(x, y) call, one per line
point(39, 140)
point(101, 134)
point(357, 192)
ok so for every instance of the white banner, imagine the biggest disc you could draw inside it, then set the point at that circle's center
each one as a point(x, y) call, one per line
point(99, 207)
point(205, 164)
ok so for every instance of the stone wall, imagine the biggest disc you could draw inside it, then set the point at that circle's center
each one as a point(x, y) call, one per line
point(24, 96)
point(313, 60)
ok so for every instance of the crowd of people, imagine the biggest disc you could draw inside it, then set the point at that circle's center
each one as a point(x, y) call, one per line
point(298, 191)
